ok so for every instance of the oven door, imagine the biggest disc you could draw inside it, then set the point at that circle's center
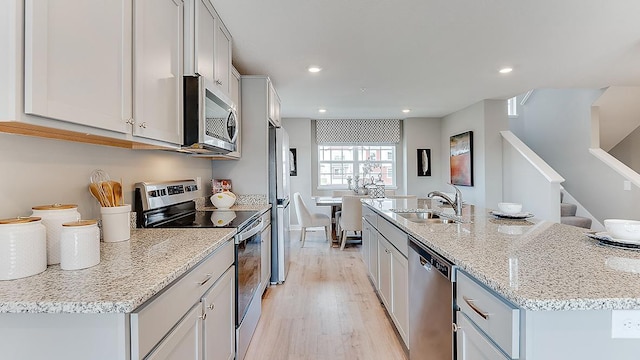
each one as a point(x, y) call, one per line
point(248, 259)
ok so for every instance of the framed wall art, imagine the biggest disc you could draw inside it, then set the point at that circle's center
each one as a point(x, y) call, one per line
point(461, 159)
point(424, 162)
point(293, 162)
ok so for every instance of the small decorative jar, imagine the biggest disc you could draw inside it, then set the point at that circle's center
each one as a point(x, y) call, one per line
point(53, 216)
point(23, 247)
point(79, 245)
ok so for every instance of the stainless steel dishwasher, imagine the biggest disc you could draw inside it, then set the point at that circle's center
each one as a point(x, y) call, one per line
point(431, 312)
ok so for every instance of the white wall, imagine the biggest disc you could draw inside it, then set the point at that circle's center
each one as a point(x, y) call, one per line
point(37, 171)
point(299, 131)
point(628, 150)
point(557, 126)
point(422, 133)
point(486, 119)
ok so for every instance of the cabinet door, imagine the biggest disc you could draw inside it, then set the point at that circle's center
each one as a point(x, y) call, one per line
point(384, 272)
point(265, 266)
point(158, 55)
point(205, 28)
point(78, 62)
point(274, 106)
point(184, 341)
point(473, 345)
point(400, 293)
point(366, 244)
point(223, 57)
point(219, 322)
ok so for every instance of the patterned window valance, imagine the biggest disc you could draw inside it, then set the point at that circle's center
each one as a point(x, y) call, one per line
point(357, 131)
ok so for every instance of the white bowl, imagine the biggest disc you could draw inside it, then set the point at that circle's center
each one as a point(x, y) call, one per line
point(623, 229)
point(510, 208)
point(223, 200)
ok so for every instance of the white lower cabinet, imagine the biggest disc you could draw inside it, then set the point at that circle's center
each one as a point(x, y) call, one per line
point(472, 344)
point(370, 250)
point(168, 326)
point(184, 342)
point(218, 318)
point(393, 280)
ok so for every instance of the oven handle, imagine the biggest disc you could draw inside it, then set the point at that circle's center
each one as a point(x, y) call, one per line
point(246, 234)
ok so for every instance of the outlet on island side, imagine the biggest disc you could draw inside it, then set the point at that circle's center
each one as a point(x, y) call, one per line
point(627, 185)
point(199, 182)
point(625, 324)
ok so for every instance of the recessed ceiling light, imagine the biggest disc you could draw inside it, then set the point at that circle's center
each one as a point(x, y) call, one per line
point(505, 70)
point(406, 110)
point(314, 69)
point(322, 110)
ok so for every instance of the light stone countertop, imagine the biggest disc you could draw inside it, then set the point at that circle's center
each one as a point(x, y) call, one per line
point(538, 265)
point(129, 273)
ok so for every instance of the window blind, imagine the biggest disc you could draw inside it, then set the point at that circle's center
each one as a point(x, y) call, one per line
point(340, 131)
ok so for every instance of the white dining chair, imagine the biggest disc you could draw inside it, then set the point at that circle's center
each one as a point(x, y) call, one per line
point(307, 219)
point(351, 217)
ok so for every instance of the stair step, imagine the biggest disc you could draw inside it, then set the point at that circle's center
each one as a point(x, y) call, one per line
point(578, 221)
point(567, 209)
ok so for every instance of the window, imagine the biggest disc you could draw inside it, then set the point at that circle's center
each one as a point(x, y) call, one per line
point(512, 107)
point(338, 163)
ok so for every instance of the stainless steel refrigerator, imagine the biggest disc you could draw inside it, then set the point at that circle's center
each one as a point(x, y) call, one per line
point(279, 199)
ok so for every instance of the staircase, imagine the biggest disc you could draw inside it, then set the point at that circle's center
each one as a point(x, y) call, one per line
point(568, 215)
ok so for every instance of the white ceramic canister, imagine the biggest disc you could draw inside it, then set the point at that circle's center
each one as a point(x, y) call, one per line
point(79, 245)
point(53, 216)
point(23, 248)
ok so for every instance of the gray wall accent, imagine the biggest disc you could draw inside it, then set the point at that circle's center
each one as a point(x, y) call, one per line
point(486, 119)
point(39, 171)
point(557, 126)
point(299, 131)
point(628, 150)
point(422, 133)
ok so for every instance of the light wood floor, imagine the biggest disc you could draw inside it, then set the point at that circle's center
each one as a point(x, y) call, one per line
point(326, 309)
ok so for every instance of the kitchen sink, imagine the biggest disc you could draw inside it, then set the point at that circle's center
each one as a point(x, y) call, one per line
point(423, 217)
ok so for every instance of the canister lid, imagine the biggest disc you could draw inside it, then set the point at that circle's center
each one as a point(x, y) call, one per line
point(80, 223)
point(55, 207)
point(19, 220)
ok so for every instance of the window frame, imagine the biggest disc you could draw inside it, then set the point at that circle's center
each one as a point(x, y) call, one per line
point(356, 162)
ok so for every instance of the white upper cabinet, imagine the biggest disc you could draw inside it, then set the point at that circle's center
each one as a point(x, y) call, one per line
point(158, 56)
point(223, 57)
point(208, 46)
point(274, 106)
point(78, 62)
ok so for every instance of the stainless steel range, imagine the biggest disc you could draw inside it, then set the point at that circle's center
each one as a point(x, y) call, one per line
point(171, 205)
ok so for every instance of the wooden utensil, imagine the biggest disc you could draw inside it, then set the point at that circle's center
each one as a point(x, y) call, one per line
point(108, 193)
point(97, 193)
point(117, 193)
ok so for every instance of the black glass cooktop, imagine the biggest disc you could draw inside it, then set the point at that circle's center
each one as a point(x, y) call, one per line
point(211, 219)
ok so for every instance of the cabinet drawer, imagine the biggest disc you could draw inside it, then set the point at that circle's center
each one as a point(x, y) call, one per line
point(370, 216)
point(396, 237)
point(471, 344)
point(151, 321)
point(492, 314)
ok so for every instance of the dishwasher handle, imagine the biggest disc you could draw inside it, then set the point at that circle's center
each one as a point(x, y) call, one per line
point(429, 260)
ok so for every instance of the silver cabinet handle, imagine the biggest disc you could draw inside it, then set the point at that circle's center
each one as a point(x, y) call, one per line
point(143, 125)
point(211, 306)
point(218, 82)
point(130, 121)
point(475, 308)
point(203, 316)
point(206, 280)
point(455, 327)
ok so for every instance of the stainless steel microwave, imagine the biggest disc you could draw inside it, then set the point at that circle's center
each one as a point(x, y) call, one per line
point(210, 125)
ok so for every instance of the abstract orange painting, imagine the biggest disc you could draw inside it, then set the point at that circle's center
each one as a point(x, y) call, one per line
point(461, 160)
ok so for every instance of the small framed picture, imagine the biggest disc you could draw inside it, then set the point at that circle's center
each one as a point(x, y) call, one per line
point(293, 162)
point(424, 162)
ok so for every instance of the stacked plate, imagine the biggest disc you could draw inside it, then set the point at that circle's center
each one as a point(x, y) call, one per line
point(510, 211)
point(624, 233)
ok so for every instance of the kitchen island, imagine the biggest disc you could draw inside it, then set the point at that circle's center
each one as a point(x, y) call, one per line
point(571, 293)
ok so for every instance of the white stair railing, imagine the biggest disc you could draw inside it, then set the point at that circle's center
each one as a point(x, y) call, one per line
point(529, 180)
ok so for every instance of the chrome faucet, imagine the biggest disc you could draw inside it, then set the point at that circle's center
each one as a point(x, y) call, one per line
point(456, 204)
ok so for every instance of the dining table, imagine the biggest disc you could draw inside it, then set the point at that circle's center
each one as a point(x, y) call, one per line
point(336, 205)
